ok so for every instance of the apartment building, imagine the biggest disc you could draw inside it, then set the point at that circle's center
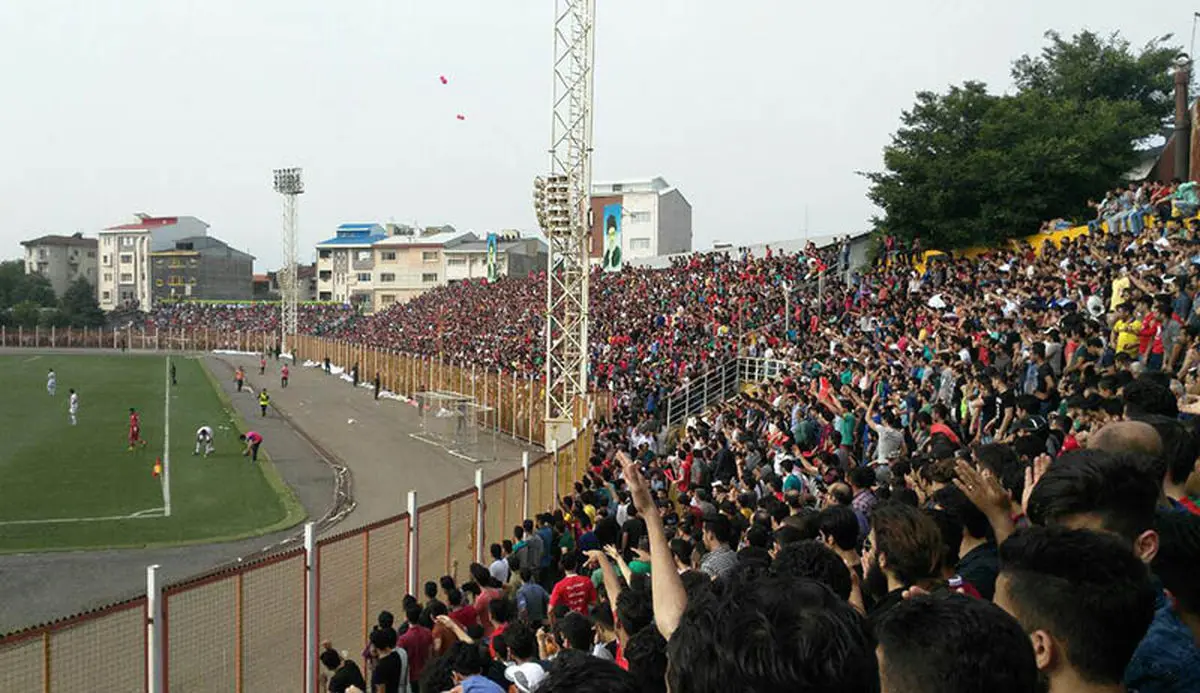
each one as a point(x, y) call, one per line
point(125, 277)
point(515, 255)
point(346, 265)
point(201, 268)
point(62, 260)
point(647, 218)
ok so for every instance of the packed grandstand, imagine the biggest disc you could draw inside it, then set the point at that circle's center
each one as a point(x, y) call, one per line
point(958, 455)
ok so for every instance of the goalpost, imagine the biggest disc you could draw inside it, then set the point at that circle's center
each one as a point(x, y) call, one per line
point(453, 420)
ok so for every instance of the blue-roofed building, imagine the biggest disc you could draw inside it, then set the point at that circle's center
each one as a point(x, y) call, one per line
point(346, 263)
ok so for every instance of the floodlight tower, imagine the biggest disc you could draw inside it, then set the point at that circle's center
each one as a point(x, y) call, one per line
point(289, 184)
point(563, 204)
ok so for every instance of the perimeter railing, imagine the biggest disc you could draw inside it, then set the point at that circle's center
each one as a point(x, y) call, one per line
point(258, 626)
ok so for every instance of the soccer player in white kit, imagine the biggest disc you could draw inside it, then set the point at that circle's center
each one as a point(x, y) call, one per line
point(51, 383)
point(204, 438)
point(73, 407)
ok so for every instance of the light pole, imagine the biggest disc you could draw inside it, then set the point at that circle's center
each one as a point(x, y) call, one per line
point(289, 184)
point(1183, 126)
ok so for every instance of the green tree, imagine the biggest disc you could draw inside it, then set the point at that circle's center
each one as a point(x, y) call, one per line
point(1091, 67)
point(79, 306)
point(969, 167)
point(17, 287)
point(26, 314)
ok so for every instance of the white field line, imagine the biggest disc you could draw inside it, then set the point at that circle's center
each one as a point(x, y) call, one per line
point(151, 513)
point(165, 478)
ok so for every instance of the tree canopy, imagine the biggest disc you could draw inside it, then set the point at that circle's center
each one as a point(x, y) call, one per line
point(79, 307)
point(969, 166)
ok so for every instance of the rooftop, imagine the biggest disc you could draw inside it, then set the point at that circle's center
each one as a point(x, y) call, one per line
point(75, 240)
point(145, 223)
point(431, 239)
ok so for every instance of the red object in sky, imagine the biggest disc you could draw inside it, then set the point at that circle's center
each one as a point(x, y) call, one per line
point(444, 80)
point(461, 116)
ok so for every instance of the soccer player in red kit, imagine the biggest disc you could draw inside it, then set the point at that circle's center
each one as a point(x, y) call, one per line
point(135, 429)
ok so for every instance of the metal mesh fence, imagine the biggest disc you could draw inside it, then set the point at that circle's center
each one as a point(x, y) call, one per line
point(514, 495)
point(272, 611)
point(341, 594)
point(493, 513)
point(201, 635)
point(541, 477)
point(22, 661)
point(387, 568)
point(462, 531)
point(107, 653)
point(432, 522)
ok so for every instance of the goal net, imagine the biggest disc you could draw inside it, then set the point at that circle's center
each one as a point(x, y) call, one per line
point(451, 419)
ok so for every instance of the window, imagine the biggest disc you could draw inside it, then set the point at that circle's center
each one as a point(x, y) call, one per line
point(429, 256)
point(429, 277)
point(325, 296)
point(104, 295)
point(127, 241)
point(158, 282)
point(108, 276)
point(387, 299)
point(639, 244)
point(617, 187)
point(176, 262)
point(324, 254)
point(104, 260)
point(126, 258)
point(42, 253)
point(126, 277)
point(175, 280)
point(387, 277)
point(639, 216)
point(387, 255)
point(364, 276)
point(91, 253)
point(325, 275)
point(362, 256)
point(456, 261)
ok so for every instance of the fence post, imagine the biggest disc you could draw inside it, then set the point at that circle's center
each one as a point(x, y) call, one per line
point(479, 515)
point(554, 451)
point(514, 404)
point(154, 651)
point(310, 608)
point(524, 486)
point(413, 537)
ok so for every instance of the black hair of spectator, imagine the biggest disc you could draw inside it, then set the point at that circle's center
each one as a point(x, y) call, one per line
point(733, 634)
point(331, 659)
point(438, 673)
point(815, 561)
point(1117, 488)
point(385, 619)
point(1180, 446)
point(468, 661)
point(695, 583)
point(957, 504)
point(521, 640)
point(447, 583)
point(431, 590)
point(807, 521)
point(573, 672)
point(965, 644)
point(454, 597)
point(787, 534)
point(383, 638)
point(408, 601)
point(575, 631)
point(482, 577)
point(1145, 396)
point(1085, 588)
point(502, 610)
point(682, 550)
point(906, 496)
point(412, 613)
point(514, 564)
point(602, 615)
point(951, 531)
point(838, 522)
point(635, 607)
point(758, 536)
point(569, 561)
point(862, 477)
point(646, 653)
point(910, 539)
point(497, 551)
point(1177, 557)
point(1003, 463)
point(720, 527)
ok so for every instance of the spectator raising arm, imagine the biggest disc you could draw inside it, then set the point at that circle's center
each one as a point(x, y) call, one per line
point(670, 599)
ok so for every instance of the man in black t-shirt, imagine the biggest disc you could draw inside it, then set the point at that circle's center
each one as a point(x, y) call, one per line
point(345, 672)
point(392, 667)
point(632, 532)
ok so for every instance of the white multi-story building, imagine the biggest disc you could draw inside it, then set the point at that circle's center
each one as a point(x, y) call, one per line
point(346, 264)
point(654, 218)
point(62, 260)
point(515, 255)
point(125, 257)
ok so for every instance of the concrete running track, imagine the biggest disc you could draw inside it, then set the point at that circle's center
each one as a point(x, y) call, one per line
point(306, 436)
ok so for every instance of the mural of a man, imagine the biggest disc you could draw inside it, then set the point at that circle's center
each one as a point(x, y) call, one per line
point(612, 242)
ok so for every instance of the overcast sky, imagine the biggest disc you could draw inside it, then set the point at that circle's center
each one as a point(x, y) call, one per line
point(756, 110)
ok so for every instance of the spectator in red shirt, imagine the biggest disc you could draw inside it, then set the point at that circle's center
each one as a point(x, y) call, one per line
point(574, 591)
point(461, 611)
point(417, 641)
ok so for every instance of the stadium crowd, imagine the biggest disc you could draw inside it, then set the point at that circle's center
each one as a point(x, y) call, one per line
point(979, 474)
point(314, 318)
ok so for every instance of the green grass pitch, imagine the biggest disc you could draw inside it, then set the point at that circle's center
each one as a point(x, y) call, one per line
point(80, 475)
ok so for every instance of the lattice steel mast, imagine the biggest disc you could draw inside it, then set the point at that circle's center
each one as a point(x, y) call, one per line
point(563, 204)
point(289, 184)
